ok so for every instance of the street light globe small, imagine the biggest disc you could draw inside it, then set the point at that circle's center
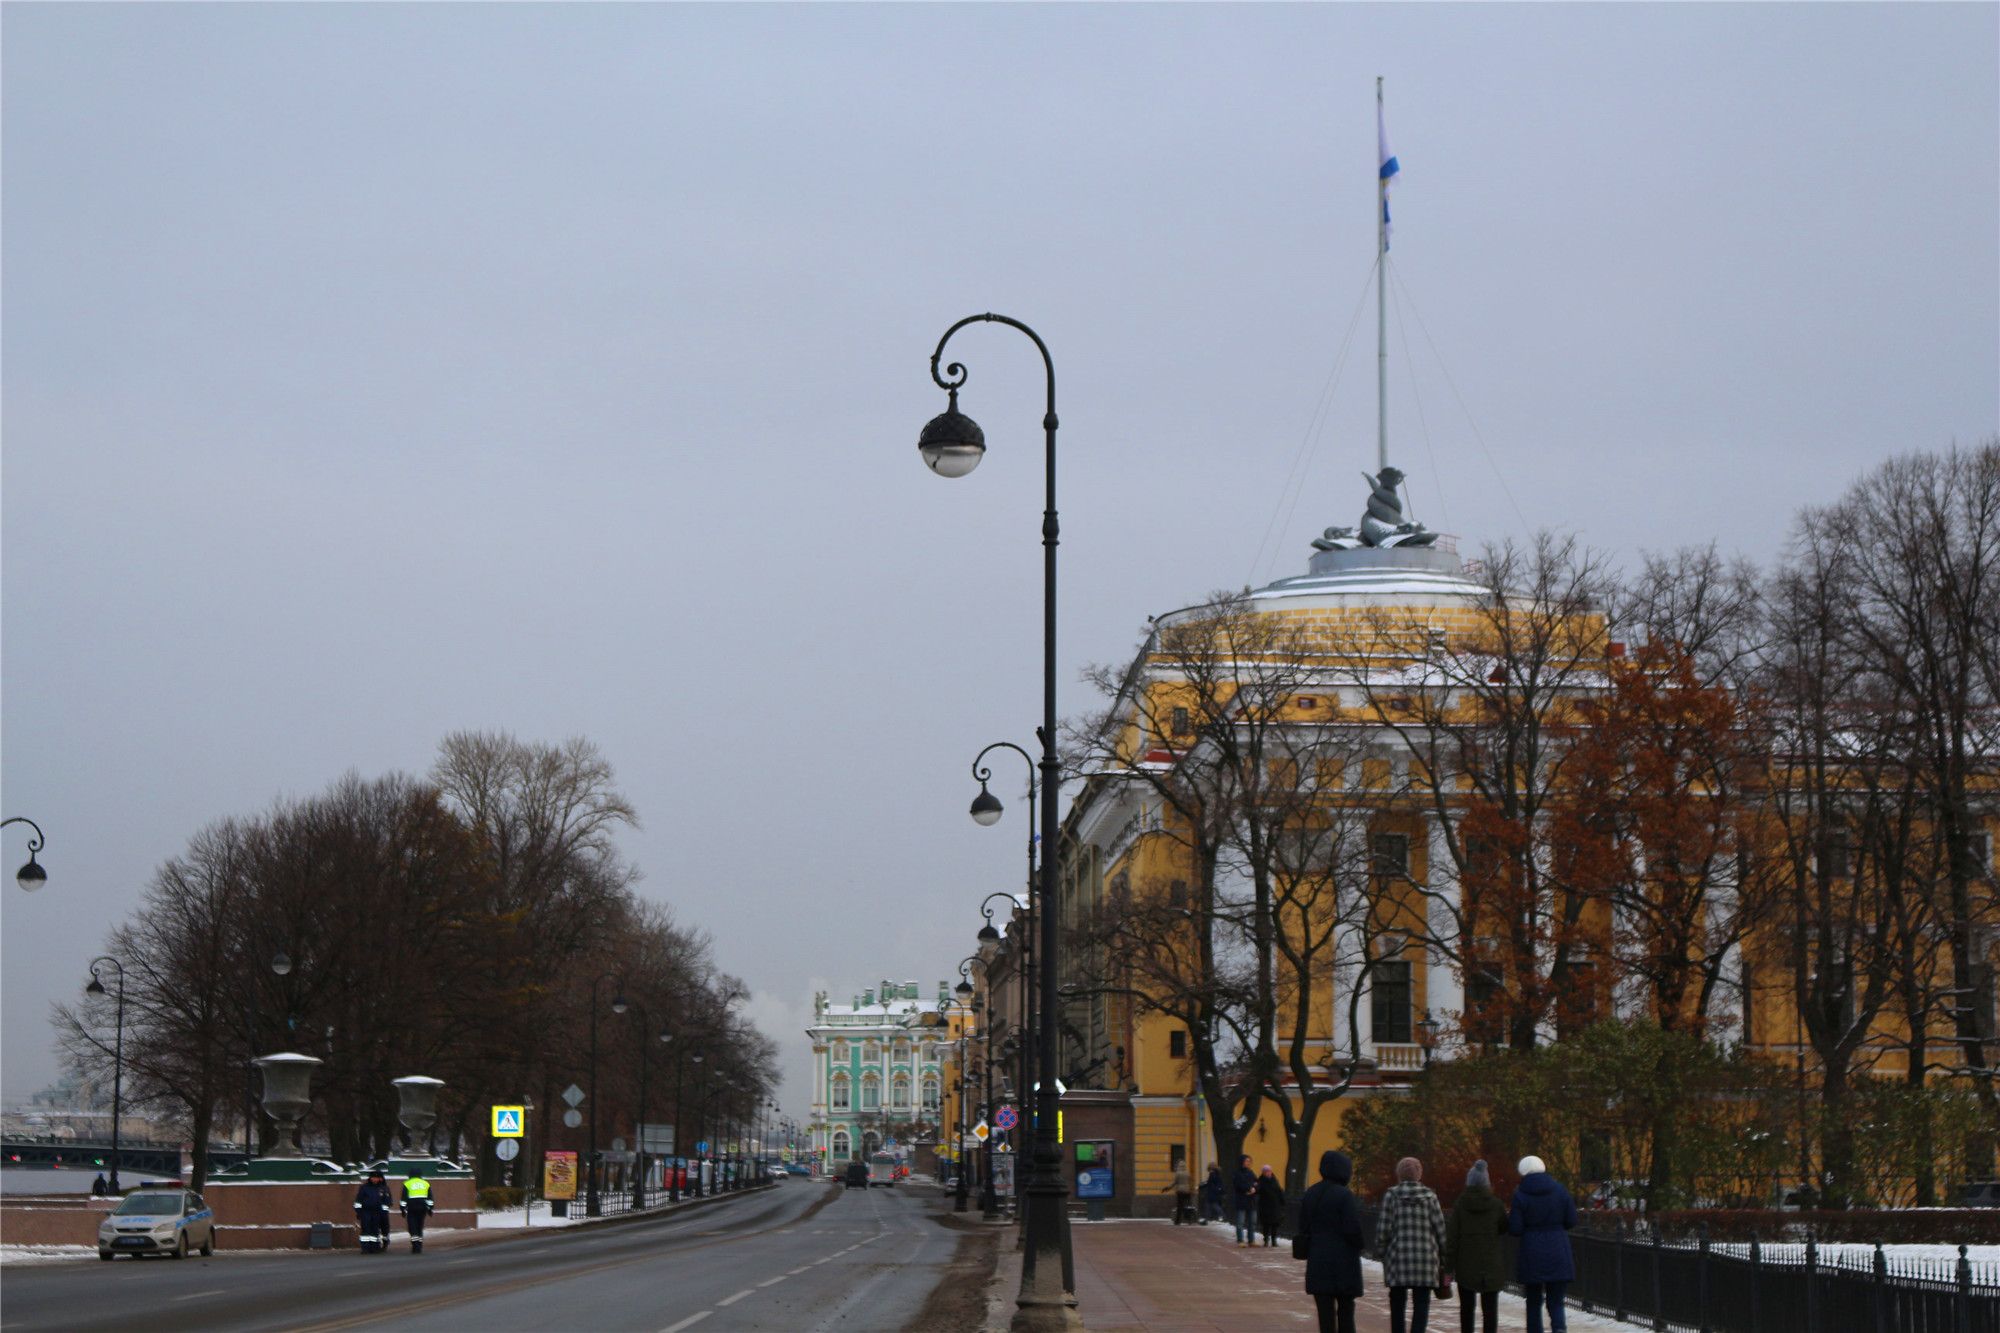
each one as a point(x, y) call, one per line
point(31, 876)
point(986, 808)
point(618, 1004)
point(667, 1035)
point(988, 935)
point(281, 963)
point(95, 987)
point(952, 443)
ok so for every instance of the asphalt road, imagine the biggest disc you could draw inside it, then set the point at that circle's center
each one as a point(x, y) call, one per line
point(801, 1258)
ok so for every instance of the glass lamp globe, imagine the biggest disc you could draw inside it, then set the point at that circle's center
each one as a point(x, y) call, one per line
point(31, 876)
point(952, 443)
point(986, 808)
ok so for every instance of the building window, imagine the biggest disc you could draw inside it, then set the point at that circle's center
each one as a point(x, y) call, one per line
point(1838, 860)
point(840, 1052)
point(902, 1054)
point(1392, 856)
point(1180, 722)
point(871, 1094)
point(899, 1092)
point(1392, 1004)
point(841, 1151)
point(1177, 1044)
point(1177, 893)
point(930, 1094)
point(871, 1054)
point(840, 1094)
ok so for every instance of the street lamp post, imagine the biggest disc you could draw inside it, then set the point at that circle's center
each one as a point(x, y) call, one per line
point(952, 445)
point(592, 1207)
point(964, 992)
point(986, 811)
point(96, 987)
point(30, 876)
point(281, 965)
point(694, 1178)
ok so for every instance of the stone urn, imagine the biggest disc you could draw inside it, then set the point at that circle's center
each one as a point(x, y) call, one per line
point(418, 1111)
point(287, 1096)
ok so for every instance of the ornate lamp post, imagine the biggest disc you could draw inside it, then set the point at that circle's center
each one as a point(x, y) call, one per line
point(592, 1206)
point(30, 876)
point(694, 1176)
point(281, 965)
point(964, 992)
point(96, 987)
point(986, 811)
point(952, 445)
point(1427, 1036)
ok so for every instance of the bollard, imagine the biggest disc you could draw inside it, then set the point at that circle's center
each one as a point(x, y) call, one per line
point(1964, 1302)
point(1659, 1306)
point(1812, 1283)
point(1756, 1282)
point(1701, 1270)
point(1881, 1291)
point(1619, 1256)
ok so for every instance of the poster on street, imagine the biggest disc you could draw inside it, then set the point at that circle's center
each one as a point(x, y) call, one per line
point(559, 1175)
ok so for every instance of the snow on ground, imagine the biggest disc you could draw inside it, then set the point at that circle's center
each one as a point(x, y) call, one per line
point(45, 1254)
point(519, 1217)
point(1291, 1274)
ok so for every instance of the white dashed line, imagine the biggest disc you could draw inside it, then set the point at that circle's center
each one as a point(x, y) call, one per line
point(772, 1282)
point(800, 1269)
point(196, 1295)
point(731, 1300)
point(688, 1322)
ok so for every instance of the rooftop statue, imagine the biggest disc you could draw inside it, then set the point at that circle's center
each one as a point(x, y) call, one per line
point(1383, 524)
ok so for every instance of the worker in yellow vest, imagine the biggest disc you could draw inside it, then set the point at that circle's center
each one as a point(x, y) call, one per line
point(416, 1207)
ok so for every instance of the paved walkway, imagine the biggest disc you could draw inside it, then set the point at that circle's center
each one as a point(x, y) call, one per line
point(1154, 1277)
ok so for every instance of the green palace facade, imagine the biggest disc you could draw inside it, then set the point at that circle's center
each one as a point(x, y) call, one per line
point(878, 1080)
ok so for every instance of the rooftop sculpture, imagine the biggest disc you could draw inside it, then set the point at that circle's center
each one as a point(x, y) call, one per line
point(1382, 524)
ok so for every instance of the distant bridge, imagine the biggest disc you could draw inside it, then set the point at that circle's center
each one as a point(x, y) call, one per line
point(145, 1159)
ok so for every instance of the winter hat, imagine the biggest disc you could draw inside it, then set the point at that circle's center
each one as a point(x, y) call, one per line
point(1336, 1166)
point(1478, 1175)
point(1409, 1169)
point(1267, 1169)
point(1531, 1165)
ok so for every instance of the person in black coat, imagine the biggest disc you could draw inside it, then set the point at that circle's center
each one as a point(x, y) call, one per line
point(1330, 1233)
point(1270, 1205)
point(1243, 1188)
point(371, 1212)
point(1214, 1191)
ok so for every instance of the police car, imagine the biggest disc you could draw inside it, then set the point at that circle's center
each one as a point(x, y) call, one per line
point(157, 1219)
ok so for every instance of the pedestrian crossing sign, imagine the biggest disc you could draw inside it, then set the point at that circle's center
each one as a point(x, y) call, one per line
point(507, 1121)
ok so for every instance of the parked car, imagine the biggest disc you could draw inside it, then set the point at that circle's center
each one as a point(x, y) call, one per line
point(775, 1172)
point(858, 1176)
point(797, 1169)
point(157, 1221)
point(1979, 1194)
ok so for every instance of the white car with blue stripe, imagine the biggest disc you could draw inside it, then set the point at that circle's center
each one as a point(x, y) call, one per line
point(152, 1220)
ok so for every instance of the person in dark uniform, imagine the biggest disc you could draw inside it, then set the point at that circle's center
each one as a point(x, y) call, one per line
point(371, 1213)
point(416, 1207)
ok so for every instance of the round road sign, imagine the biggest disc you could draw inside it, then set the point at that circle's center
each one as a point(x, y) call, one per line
point(572, 1117)
point(507, 1149)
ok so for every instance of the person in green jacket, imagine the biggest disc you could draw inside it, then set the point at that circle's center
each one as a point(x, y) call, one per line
point(1472, 1249)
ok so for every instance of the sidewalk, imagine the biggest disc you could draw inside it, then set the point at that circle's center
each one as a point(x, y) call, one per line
point(1154, 1277)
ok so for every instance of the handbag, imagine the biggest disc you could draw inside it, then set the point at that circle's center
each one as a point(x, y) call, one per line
point(1301, 1246)
point(1444, 1283)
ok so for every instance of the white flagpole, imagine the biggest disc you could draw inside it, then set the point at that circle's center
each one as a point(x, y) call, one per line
point(1381, 304)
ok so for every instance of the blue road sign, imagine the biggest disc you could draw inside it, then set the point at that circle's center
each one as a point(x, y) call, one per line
point(702, 1148)
point(1006, 1118)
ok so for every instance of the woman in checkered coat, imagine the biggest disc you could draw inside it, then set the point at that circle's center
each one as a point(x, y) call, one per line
point(1410, 1238)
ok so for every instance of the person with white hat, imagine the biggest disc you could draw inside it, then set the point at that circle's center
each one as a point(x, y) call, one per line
point(1542, 1214)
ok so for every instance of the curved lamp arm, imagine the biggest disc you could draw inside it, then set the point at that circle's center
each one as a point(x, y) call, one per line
point(30, 876)
point(955, 374)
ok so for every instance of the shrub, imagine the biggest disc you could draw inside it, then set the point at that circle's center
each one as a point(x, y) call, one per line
point(502, 1196)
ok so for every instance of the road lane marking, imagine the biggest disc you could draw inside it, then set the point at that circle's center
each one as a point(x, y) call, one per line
point(800, 1269)
point(688, 1322)
point(195, 1295)
point(731, 1300)
point(772, 1282)
point(453, 1263)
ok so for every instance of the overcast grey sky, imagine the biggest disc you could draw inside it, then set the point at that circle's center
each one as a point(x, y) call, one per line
point(375, 371)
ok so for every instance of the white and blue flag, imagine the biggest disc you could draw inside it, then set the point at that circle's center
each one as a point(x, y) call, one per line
point(1388, 165)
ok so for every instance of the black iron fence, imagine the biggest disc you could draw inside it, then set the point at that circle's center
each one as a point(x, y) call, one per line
point(1692, 1286)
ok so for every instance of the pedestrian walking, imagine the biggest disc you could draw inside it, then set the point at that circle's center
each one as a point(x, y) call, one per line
point(1214, 1190)
point(1183, 1191)
point(371, 1213)
point(99, 1188)
point(1270, 1204)
point(1472, 1250)
point(1542, 1214)
point(416, 1208)
point(1409, 1234)
point(1330, 1241)
point(1243, 1186)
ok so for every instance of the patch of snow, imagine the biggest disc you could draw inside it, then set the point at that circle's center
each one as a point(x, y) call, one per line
point(45, 1254)
point(520, 1217)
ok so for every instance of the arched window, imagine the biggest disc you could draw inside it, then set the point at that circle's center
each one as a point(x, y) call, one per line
point(871, 1093)
point(930, 1094)
point(840, 1052)
point(871, 1053)
point(899, 1092)
point(840, 1146)
point(840, 1093)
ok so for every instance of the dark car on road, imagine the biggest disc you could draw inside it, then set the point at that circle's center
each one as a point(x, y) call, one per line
point(857, 1175)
